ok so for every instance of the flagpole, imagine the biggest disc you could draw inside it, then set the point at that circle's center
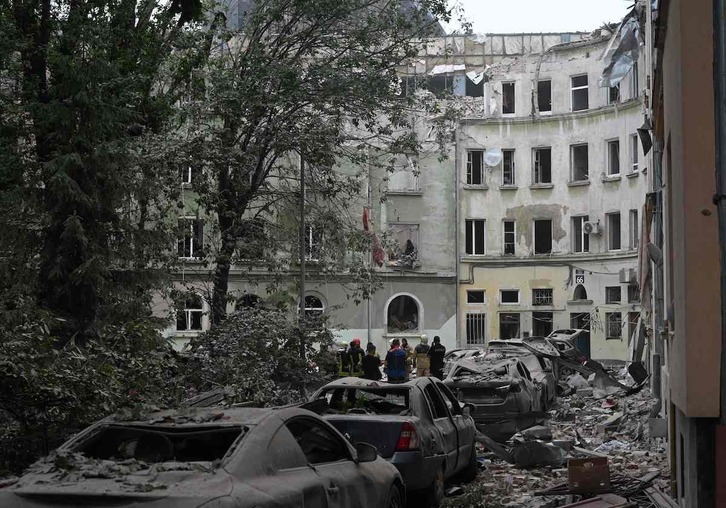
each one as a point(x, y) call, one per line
point(370, 256)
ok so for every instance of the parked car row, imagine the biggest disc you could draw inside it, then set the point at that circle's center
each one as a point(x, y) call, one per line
point(511, 383)
point(376, 444)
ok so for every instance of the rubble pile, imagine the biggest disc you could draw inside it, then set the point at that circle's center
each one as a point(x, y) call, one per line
point(606, 434)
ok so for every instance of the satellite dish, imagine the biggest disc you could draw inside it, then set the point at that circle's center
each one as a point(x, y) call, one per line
point(492, 157)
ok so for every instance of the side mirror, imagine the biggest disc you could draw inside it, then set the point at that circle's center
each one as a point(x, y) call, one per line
point(468, 409)
point(366, 452)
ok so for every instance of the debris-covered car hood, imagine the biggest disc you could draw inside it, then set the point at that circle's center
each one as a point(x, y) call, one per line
point(485, 373)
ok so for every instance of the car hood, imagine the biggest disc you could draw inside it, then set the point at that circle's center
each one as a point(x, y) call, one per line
point(91, 482)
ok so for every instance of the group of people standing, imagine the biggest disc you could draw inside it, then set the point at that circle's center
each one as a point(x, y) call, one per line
point(399, 363)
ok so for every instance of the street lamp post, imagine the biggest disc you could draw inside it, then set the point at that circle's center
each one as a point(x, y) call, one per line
point(301, 313)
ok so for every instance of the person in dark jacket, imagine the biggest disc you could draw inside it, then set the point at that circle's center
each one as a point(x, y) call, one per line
point(356, 354)
point(371, 363)
point(436, 353)
point(396, 363)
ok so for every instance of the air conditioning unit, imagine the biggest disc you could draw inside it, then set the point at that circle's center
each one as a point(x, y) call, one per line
point(627, 275)
point(592, 228)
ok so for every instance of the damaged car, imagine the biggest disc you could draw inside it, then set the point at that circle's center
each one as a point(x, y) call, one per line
point(218, 457)
point(418, 426)
point(504, 396)
point(540, 367)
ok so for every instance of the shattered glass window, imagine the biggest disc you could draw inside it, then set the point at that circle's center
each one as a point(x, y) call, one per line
point(614, 325)
point(389, 401)
point(509, 325)
point(404, 244)
point(508, 98)
point(580, 93)
point(614, 157)
point(544, 96)
point(154, 444)
point(542, 158)
point(579, 162)
point(190, 243)
point(403, 315)
point(612, 294)
point(475, 167)
point(508, 175)
point(190, 317)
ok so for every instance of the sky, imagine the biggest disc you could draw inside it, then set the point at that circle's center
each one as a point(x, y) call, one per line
point(498, 16)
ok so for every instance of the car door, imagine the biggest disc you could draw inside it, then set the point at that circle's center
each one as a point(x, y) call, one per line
point(534, 388)
point(464, 426)
point(288, 479)
point(445, 426)
point(327, 453)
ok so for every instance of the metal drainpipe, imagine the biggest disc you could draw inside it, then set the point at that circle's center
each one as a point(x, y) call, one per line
point(719, 71)
point(456, 232)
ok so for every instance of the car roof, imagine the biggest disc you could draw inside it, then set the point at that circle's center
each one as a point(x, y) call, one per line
point(355, 382)
point(206, 416)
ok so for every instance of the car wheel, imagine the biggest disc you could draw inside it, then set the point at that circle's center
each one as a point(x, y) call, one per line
point(435, 492)
point(472, 467)
point(395, 500)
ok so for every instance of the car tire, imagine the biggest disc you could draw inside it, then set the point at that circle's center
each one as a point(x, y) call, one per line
point(472, 467)
point(395, 498)
point(434, 494)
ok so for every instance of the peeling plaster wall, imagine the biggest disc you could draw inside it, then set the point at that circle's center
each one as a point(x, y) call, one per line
point(559, 202)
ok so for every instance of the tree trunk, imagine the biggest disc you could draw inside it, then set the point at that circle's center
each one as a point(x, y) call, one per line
point(223, 264)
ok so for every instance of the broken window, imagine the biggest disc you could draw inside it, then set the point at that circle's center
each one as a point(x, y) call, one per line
point(633, 293)
point(634, 84)
point(632, 323)
point(191, 241)
point(509, 237)
point(614, 94)
point(313, 242)
point(319, 444)
point(475, 167)
point(542, 165)
point(403, 315)
point(475, 296)
point(475, 237)
point(508, 325)
point(614, 242)
point(542, 296)
point(543, 236)
point(252, 242)
point(475, 328)
point(313, 306)
point(612, 294)
point(580, 239)
point(405, 243)
point(509, 296)
point(580, 293)
point(189, 318)
point(382, 401)
point(542, 324)
point(405, 174)
point(153, 444)
point(474, 87)
point(614, 157)
point(440, 85)
point(634, 153)
point(633, 229)
point(508, 98)
point(508, 167)
point(580, 93)
point(614, 325)
point(544, 96)
point(579, 162)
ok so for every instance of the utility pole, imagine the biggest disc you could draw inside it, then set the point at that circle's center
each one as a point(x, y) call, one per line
point(370, 254)
point(301, 313)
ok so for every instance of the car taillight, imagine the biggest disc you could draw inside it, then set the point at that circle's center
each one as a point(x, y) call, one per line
point(408, 439)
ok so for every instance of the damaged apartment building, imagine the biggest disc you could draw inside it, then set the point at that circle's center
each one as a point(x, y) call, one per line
point(549, 183)
point(531, 224)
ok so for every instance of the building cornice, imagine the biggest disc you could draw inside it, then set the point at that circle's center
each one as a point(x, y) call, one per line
point(554, 260)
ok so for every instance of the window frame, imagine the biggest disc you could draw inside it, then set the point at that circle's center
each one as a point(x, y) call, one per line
point(309, 309)
point(537, 169)
point(476, 291)
point(501, 300)
point(537, 317)
point(475, 320)
point(187, 311)
point(519, 322)
point(470, 168)
point(313, 246)
point(633, 293)
point(542, 300)
point(584, 238)
point(609, 144)
point(512, 170)
point(574, 89)
point(634, 155)
point(470, 229)
point(610, 230)
point(618, 95)
point(586, 176)
point(633, 229)
point(609, 325)
point(513, 234)
point(513, 85)
point(613, 294)
point(332, 436)
point(539, 101)
point(197, 236)
point(534, 237)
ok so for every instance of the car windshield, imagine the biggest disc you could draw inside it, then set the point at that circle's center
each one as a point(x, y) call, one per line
point(159, 444)
point(391, 401)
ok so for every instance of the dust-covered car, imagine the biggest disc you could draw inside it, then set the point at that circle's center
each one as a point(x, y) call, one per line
point(454, 355)
point(208, 457)
point(419, 426)
point(540, 367)
point(502, 391)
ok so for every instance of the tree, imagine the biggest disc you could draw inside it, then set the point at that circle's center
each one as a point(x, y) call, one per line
point(311, 81)
point(85, 89)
